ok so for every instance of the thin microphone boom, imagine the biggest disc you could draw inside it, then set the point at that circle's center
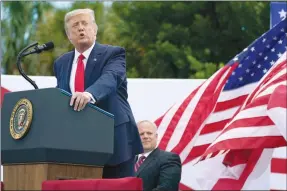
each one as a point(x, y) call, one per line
point(37, 49)
point(40, 48)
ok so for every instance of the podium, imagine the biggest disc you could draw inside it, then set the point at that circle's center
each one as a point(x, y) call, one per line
point(43, 138)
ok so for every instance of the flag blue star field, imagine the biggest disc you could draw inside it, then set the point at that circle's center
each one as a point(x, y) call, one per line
point(255, 60)
point(278, 11)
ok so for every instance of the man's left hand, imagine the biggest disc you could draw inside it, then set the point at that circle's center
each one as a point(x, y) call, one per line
point(79, 100)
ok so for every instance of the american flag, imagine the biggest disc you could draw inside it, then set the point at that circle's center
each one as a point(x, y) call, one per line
point(278, 11)
point(190, 127)
point(251, 121)
point(251, 130)
point(277, 111)
point(278, 176)
point(277, 108)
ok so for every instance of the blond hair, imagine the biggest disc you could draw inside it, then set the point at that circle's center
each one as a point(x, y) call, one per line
point(77, 12)
point(149, 122)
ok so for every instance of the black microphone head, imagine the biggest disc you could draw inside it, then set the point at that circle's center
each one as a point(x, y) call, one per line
point(48, 46)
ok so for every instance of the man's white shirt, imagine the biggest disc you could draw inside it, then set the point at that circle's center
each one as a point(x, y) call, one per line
point(74, 68)
point(144, 154)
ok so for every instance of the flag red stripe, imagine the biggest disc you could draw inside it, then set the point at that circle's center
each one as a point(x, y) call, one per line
point(213, 127)
point(221, 106)
point(159, 120)
point(280, 99)
point(276, 70)
point(184, 187)
point(248, 122)
point(238, 157)
point(203, 108)
point(263, 100)
point(174, 121)
point(279, 165)
point(280, 79)
point(233, 184)
point(195, 152)
point(248, 143)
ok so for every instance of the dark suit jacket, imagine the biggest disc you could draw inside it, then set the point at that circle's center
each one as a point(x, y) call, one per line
point(105, 79)
point(161, 170)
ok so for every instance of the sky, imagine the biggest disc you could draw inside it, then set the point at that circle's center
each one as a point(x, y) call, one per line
point(61, 4)
point(66, 4)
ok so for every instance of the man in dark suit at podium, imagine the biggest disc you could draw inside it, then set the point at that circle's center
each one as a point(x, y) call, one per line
point(96, 73)
point(159, 170)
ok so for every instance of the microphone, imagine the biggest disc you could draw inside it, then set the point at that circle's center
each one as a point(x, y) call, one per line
point(39, 48)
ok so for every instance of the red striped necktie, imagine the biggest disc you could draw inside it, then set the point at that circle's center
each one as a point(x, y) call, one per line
point(139, 162)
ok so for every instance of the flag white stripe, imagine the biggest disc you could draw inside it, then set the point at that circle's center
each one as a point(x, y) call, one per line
point(169, 115)
point(232, 94)
point(251, 131)
point(221, 115)
point(184, 154)
point(282, 58)
point(185, 118)
point(191, 143)
point(258, 111)
point(166, 120)
point(196, 175)
point(270, 89)
point(278, 181)
point(275, 77)
point(260, 173)
point(206, 138)
point(280, 152)
point(222, 78)
point(278, 116)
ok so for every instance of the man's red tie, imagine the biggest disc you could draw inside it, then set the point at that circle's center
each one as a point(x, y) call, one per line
point(80, 75)
point(140, 161)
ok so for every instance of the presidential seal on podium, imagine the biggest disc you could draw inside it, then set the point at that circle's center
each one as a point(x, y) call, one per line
point(21, 118)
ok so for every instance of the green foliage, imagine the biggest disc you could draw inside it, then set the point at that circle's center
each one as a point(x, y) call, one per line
point(17, 30)
point(162, 39)
point(186, 39)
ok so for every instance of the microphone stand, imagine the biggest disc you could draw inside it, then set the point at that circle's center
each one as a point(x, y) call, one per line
point(20, 55)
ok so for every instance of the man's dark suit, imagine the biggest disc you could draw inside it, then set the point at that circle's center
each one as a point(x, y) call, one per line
point(105, 79)
point(161, 170)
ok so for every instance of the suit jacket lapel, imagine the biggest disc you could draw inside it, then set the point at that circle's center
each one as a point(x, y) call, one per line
point(149, 159)
point(94, 60)
point(68, 65)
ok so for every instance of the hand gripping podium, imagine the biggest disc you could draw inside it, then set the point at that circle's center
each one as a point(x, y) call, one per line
point(43, 138)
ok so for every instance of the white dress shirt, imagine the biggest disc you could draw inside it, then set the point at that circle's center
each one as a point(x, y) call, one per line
point(144, 154)
point(74, 68)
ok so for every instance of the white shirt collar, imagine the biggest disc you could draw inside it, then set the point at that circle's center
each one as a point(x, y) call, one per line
point(86, 53)
point(145, 154)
